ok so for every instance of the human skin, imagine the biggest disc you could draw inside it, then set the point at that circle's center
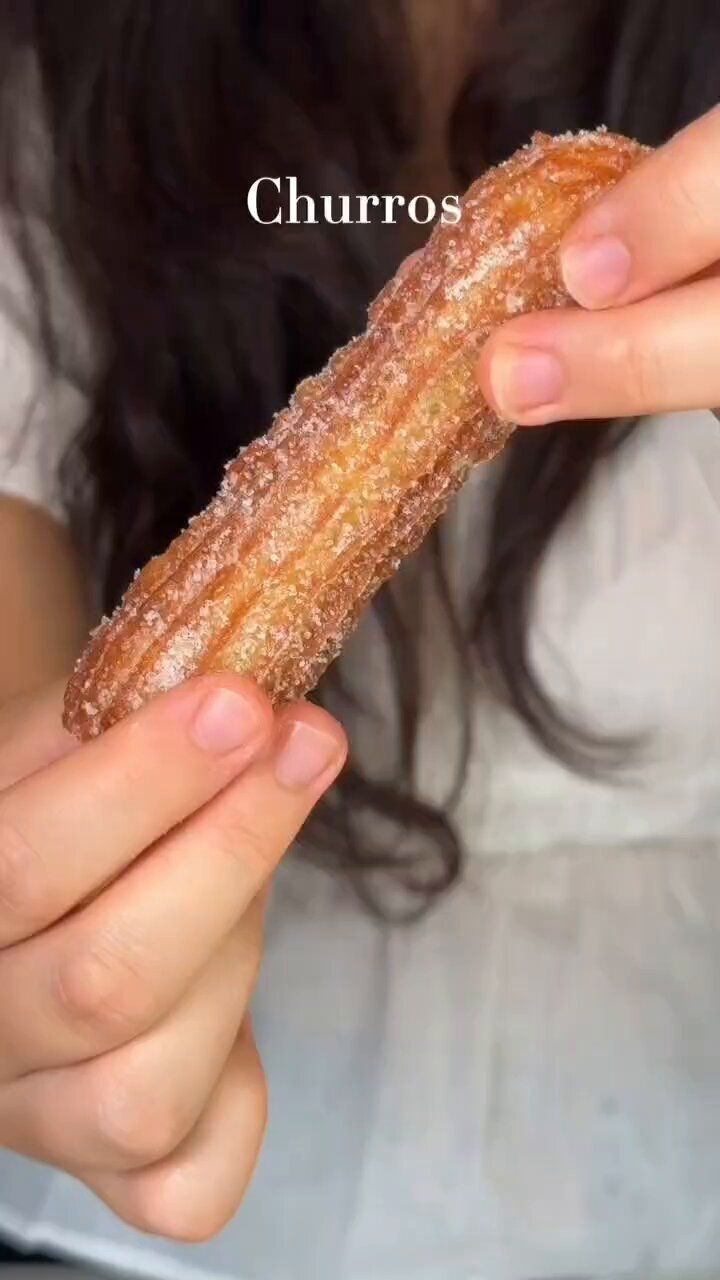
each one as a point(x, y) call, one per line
point(118, 1007)
point(642, 264)
point(133, 879)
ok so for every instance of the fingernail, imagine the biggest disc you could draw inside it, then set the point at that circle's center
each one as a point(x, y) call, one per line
point(226, 721)
point(596, 272)
point(305, 754)
point(524, 378)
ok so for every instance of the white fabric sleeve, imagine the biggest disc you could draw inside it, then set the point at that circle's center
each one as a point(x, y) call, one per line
point(39, 412)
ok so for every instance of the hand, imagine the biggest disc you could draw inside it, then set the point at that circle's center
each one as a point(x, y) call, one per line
point(650, 251)
point(132, 884)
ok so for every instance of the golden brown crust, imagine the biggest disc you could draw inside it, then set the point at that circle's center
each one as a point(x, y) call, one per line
point(314, 517)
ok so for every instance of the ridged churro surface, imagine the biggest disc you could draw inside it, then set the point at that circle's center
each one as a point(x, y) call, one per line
point(312, 518)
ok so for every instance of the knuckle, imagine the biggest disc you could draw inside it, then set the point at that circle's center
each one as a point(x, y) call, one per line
point(180, 1202)
point(137, 1126)
point(102, 989)
point(258, 1097)
point(236, 839)
point(254, 964)
point(23, 887)
point(642, 372)
point(253, 1083)
point(695, 204)
point(177, 1208)
point(261, 1109)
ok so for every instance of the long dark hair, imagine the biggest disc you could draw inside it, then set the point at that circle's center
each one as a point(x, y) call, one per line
point(158, 119)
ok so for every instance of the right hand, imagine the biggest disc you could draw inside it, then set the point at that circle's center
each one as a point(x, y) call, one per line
point(133, 876)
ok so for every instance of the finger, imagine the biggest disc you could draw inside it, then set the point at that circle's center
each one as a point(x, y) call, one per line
point(136, 1105)
point(68, 830)
point(659, 226)
point(656, 356)
point(192, 1195)
point(32, 734)
point(114, 969)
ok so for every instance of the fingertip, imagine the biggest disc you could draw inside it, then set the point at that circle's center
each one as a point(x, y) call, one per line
point(317, 717)
point(311, 748)
point(221, 713)
point(596, 270)
point(200, 686)
point(241, 687)
point(232, 715)
point(523, 382)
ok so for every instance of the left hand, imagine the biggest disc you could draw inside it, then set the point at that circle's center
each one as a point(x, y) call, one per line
point(643, 263)
point(134, 871)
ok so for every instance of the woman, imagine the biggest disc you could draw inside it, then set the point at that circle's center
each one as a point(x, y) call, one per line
point(523, 1083)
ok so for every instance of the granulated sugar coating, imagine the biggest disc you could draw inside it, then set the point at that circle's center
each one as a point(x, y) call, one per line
point(313, 518)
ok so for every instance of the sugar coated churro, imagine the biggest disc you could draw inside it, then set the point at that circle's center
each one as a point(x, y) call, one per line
point(311, 519)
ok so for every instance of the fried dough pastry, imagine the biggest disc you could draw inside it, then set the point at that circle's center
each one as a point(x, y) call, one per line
point(312, 519)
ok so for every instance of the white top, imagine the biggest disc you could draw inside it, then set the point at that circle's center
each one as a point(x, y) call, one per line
point(39, 414)
point(527, 1083)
